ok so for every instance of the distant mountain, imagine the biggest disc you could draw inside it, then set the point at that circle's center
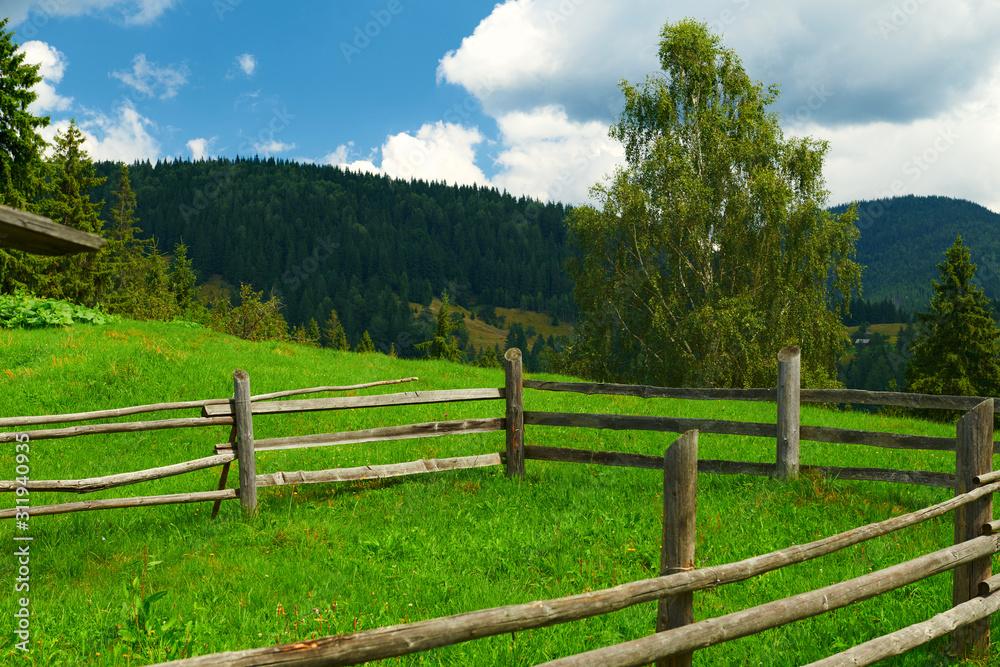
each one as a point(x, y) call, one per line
point(366, 245)
point(903, 239)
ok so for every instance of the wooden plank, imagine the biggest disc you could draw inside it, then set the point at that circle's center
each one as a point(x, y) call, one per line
point(123, 427)
point(514, 416)
point(862, 397)
point(182, 405)
point(378, 471)
point(348, 402)
point(648, 423)
point(944, 480)
point(848, 436)
point(122, 479)
point(316, 390)
point(382, 433)
point(397, 640)
point(987, 476)
point(644, 391)
point(568, 455)
point(39, 235)
point(789, 363)
point(245, 454)
point(901, 641)
point(680, 490)
point(780, 612)
point(114, 503)
point(973, 457)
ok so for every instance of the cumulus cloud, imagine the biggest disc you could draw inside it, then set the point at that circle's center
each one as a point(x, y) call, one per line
point(245, 63)
point(123, 136)
point(436, 152)
point(894, 62)
point(150, 79)
point(270, 147)
point(548, 156)
point(28, 16)
point(201, 148)
point(52, 65)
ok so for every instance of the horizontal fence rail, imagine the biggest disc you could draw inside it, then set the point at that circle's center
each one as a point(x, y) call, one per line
point(7, 422)
point(351, 402)
point(121, 427)
point(380, 434)
point(853, 396)
point(945, 480)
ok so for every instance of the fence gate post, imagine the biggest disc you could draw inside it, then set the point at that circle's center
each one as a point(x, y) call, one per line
point(789, 363)
point(680, 487)
point(514, 392)
point(243, 418)
point(973, 456)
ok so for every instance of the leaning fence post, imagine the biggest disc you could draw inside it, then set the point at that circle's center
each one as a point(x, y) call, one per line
point(789, 361)
point(680, 486)
point(973, 456)
point(243, 422)
point(514, 393)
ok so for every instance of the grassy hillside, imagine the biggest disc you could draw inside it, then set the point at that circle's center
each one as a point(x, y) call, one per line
point(327, 559)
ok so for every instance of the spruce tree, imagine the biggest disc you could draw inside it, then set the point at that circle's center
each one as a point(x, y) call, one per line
point(333, 333)
point(366, 344)
point(443, 345)
point(124, 254)
point(182, 278)
point(956, 350)
point(71, 177)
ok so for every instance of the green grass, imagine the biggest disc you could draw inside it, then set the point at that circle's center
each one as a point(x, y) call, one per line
point(325, 559)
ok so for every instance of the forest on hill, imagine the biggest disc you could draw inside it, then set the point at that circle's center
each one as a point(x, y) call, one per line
point(323, 238)
point(903, 239)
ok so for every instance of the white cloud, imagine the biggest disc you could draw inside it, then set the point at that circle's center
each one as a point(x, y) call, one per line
point(270, 147)
point(437, 152)
point(200, 148)
point(247, 63)
point(52, 64)
point(120, 137)
point(149, 78)
point(548, 156)
point(28, 16)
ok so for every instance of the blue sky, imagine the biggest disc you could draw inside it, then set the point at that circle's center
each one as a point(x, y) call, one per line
point(517, 95)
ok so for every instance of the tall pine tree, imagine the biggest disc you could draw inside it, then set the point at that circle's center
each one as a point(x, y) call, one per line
point(956, 351)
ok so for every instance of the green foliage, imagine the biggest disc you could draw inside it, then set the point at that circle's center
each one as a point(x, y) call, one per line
point(366, 345)
point(85, 277)
point(956, 351)
point(182, 278)
point(711, 249)
point(20, 144)
point(23, 310)
point(443, 345)
point(333, 333)
point(253, 319)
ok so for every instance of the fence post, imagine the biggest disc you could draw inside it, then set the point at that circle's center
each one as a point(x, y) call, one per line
point(680, 487)
point(973, 456)
point(243, 422)
point(514, 392)
point(789, 363)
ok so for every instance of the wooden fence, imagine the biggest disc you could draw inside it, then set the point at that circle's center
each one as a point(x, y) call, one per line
point(679, 636)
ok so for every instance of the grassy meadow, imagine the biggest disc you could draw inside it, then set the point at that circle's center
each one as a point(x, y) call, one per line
point(141, 585)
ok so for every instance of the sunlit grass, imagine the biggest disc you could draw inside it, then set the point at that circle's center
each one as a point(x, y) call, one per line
point(326, 559)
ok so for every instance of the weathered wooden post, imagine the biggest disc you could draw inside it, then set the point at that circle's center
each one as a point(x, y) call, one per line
point(680, 486)
point(243, 418)
point(789, 364)
point(514, 392)
point(973, 456)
